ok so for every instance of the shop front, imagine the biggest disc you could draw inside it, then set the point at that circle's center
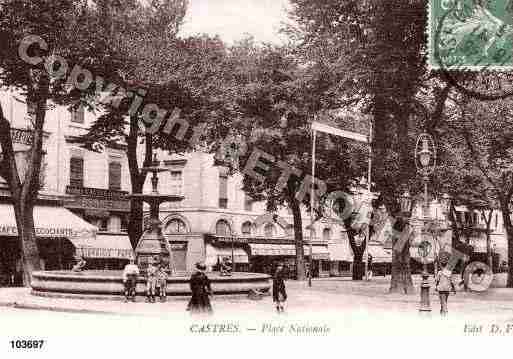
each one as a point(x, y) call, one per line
point(53, 226)
point(265, 256)
point(104, 251)
point(105, 208)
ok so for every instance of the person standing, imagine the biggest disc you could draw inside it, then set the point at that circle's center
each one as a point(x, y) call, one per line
point(201, 290)
point(162, 281)
point(279, 292)
point(444, 285)
point(130, 274)
point(151, 281)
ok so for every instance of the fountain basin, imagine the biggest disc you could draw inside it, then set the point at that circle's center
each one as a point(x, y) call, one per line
point(110, 282)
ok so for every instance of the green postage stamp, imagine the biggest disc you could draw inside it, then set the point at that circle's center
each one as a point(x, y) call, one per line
point(470, 34)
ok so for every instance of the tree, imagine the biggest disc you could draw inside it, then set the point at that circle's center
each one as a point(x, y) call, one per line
point(185, 74)
point(276, 101)
point(374, 53)
point(480, 139)
point(63, 27)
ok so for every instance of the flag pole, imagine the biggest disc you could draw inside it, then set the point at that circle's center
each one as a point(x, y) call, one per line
point(369, 179)
point(314, 137)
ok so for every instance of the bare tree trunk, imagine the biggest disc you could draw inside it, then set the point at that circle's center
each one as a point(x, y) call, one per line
point(137, 179)
point(298, 239)
point(504, 203)
point(401, 281)
point(26, 233)
point(24, 194)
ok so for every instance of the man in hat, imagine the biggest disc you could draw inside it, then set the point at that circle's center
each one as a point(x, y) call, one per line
point(130, 274)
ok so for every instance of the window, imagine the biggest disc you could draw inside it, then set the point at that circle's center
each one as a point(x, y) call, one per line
point(246, 228)
point(223, 190)
point(176, 182)
point(248, 203)
point(326, 234)
point(124, 224)
point(103, 225)
point(269, 230)
point(115, 176)
point(223, 228)
point(77, 116)
point(176, 226)
point(76, 176)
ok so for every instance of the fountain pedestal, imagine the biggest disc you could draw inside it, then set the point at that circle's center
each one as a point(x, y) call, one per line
point(152, 245)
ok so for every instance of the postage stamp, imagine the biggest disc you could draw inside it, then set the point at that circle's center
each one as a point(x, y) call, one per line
point(470, 34)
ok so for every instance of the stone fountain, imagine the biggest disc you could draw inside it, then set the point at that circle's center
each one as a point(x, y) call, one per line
point(153, 244)
point(109, 283)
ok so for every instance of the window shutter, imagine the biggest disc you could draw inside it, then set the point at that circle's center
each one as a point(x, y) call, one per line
point(115, 176)
point(76, 178)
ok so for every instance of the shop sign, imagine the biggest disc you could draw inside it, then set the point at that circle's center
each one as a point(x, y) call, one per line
point(40, 232)
point(100, 204)
point(105, 253)
point(22, 136)
point(99, 193)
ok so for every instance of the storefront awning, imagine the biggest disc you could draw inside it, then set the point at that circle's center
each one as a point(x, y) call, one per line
point(48, 222)
point(339, 250)
point(215, 253)
point(259, 249)
point(380, 254)
point(103, 246)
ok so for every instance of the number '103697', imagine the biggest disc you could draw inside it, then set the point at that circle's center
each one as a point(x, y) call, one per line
point(26, 344)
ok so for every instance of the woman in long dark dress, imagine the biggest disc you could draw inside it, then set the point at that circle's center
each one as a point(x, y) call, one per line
point(201, 290)
point(279, 292)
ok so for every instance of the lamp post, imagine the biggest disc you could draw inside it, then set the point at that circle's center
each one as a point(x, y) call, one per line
point(425, 161)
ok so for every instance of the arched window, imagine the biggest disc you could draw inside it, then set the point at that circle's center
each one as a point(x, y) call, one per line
point(223, 228)
point(246, 228)
point(326, 234)
point(269, 230)
point(176, 225)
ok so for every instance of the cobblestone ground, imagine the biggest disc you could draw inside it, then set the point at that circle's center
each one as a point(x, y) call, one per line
point(343, 305)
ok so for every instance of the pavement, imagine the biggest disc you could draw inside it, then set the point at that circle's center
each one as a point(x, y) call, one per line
point(326, 295)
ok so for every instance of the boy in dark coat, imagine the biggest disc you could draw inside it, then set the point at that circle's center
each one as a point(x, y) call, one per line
point(201, 290)
point(279, 293)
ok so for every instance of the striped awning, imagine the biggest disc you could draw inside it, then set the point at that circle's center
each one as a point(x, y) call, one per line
point(104, 246)
point(50, 222)
point(380, 254)
point(259, 249)
point(213, 254)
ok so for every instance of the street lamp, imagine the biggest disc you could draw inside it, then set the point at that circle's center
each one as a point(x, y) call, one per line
point(425, 161)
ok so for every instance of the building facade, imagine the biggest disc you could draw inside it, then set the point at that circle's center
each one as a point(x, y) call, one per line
point(87, 190)
point(217, 219)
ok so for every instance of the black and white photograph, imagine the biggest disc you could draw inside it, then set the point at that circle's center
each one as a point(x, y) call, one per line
point(254, 169)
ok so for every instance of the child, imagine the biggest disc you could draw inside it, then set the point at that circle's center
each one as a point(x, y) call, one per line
point(151, 281)
point(444, 284)
point(162, 281)
point(130, 274)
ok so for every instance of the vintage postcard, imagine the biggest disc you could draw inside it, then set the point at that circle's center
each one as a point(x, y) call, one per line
point(181, 172)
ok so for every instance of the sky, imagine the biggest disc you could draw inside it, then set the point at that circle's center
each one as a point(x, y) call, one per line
point(231, 19)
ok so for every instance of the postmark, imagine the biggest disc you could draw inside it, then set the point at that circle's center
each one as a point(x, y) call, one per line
point(470, 34)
